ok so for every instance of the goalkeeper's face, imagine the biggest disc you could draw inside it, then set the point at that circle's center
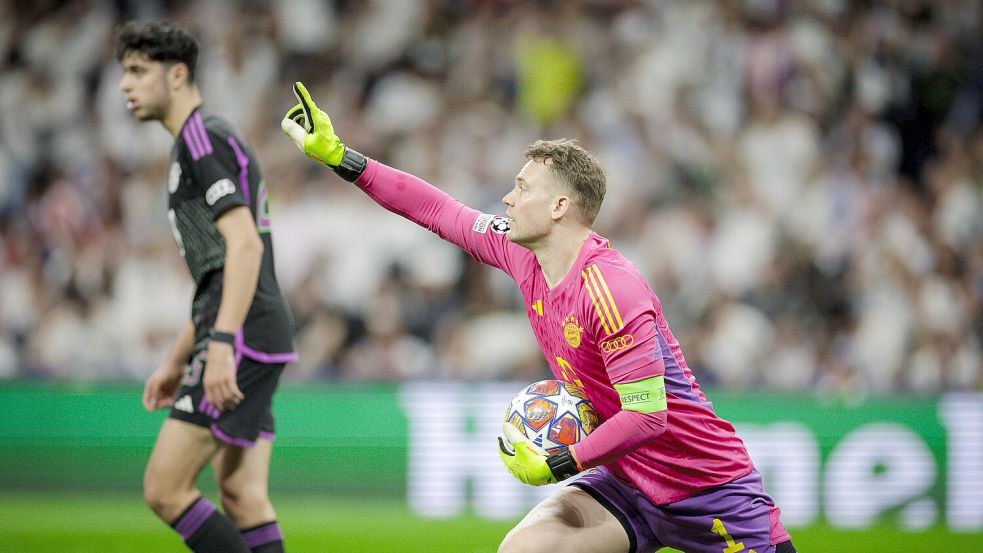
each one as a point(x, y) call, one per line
point(533, 205)
point(145, 86)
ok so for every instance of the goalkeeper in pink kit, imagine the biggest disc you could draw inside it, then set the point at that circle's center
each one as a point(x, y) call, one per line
point(662, 470)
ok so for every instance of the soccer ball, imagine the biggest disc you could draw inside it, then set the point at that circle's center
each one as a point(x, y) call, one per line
point(552, 414)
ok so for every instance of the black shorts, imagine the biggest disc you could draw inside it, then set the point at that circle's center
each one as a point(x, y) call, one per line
point(242, 425)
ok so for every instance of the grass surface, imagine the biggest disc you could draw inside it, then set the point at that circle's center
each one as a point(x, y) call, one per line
point(84, 523)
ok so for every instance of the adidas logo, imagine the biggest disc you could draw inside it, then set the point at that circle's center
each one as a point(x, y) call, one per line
point(184, 404)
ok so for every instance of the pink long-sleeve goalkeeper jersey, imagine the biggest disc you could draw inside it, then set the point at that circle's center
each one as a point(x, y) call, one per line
point(601, 325)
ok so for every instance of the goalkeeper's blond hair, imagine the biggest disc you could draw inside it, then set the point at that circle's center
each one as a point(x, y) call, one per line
point(576, 168)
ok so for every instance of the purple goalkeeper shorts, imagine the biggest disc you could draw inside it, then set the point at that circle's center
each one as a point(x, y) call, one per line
point(738, 512)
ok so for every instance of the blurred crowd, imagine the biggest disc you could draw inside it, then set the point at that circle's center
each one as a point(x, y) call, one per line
point(799, 181)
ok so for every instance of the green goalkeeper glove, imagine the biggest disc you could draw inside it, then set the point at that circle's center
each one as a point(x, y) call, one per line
point(529, 463)
point(312, 132)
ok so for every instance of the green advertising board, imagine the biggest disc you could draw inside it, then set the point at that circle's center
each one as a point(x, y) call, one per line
point(906, 461)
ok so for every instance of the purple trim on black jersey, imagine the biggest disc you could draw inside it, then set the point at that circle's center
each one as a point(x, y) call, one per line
point(270, 358)
point(676, 382)
point(217, 432)
point(261, 356)
point(243, 161)
point(268, 533)
point(191, 141)
point(267, 435)
point(194, 517)
point(208, 408)
point(198, 127)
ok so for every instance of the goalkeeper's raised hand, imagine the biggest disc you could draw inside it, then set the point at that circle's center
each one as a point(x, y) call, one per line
point(312, 132)
point(529, 463)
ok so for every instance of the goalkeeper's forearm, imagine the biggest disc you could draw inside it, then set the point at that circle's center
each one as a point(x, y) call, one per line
point(423, 203)
point(623, 433)
point(410, 197)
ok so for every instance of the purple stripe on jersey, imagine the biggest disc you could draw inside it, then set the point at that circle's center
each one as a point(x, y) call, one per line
point(194, 518)
point(192, 141)
point(676, 382)
point(208, 408)
point(263, 535)
point(217, 432)
point(263, 357)
point(198, 127)
point(243, 161)
point(267, 435)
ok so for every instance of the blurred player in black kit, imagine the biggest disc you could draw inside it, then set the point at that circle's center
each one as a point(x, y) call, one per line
point(223, 369)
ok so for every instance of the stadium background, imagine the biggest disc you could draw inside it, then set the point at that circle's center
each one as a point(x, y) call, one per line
point(800, 182)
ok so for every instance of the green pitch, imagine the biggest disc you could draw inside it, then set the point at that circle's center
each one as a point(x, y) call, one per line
point(64, 522)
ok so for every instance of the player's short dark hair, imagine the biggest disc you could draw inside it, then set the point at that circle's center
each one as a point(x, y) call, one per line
point(575, 167)
point(161, 41)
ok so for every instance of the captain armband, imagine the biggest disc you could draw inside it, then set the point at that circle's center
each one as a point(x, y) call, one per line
point(643, 396)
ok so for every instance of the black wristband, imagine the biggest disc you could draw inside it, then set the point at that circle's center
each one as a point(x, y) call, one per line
point(219, 336)
point(562, 464)
point(352, 165)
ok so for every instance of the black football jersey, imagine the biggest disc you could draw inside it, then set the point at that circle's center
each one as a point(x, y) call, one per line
point(212, 171)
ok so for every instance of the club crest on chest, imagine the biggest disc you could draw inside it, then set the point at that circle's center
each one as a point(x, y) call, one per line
point(572, 331)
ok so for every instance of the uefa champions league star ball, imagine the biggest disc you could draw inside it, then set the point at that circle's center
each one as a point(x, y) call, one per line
point(552, 414)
